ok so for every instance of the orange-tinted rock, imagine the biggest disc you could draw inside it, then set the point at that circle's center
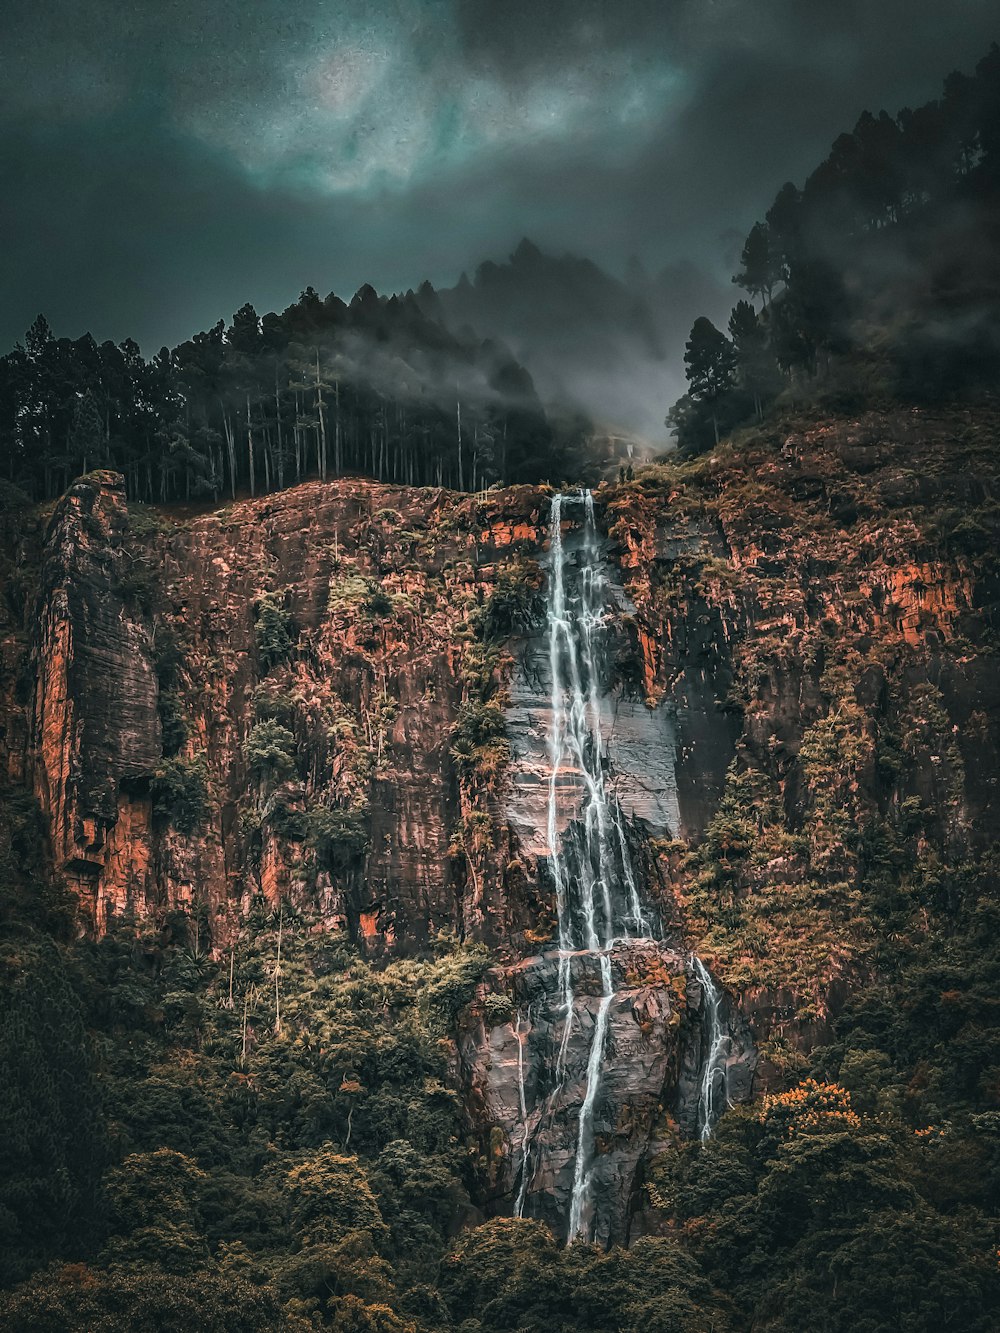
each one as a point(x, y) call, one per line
point(96, 732)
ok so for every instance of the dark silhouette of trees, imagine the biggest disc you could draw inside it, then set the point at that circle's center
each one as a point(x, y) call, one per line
point(888, 255)
point(710, 362)
point(759, 271)
point(756, 369)
point(320, 390)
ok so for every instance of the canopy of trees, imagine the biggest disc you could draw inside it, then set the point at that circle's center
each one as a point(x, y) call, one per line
point(879, 277)
point(320, 390)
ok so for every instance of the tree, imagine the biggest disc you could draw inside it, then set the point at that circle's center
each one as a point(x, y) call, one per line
point(784, 224)
point(74, 1297)
point(755, 366)
point(710, 360)
point(180, 792)
point(86, 443)
point(758, 272)
point(269, 750)
point(272, 632)
point(53, 1142)
point(329, 1197)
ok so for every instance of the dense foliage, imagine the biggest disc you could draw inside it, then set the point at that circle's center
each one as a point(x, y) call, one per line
point(878, 278)
point(272, 1140)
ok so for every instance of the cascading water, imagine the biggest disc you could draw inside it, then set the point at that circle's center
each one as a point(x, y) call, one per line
point(597, 895)
point(596, 888)
point(713, 1091)
point(523, 1109)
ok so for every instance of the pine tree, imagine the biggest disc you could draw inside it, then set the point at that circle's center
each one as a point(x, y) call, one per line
point(710, 359)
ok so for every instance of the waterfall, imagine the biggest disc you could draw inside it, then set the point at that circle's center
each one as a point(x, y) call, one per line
point(597, 896)
point(713, 1091)
point(522, 1192)
point(596, 888)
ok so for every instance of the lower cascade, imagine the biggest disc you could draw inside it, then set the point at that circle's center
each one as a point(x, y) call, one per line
point(713, 1090)
point(594, 1002)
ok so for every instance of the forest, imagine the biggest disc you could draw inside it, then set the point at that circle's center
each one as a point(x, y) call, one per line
point(219, 1143)
point(878, 281)
point(320, 390)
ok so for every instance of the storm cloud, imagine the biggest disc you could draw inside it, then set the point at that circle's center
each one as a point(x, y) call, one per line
point(164, 162)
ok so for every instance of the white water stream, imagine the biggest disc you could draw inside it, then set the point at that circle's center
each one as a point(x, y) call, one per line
point(713, 1091)
point(596, 889)
point(597, 895)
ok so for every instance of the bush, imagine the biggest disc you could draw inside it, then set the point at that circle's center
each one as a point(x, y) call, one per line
point(355, 592)
point(272, 632)
point(339, 837)
point(329, 1196)
point(453, 982)
point(497, 1009)
point(479, 744)
point(180, 792)
point(270, 750)
point(271, 701)
point(73, 1298)
point(515, 605)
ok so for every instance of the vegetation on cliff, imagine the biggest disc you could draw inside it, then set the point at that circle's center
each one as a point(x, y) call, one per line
point(272, 1139)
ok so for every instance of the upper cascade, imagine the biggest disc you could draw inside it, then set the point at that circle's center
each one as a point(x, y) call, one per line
point(596, 888)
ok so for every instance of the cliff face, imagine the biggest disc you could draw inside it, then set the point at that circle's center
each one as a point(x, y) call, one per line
point(373, 589)
point(338, 696)
point(95, 732)
point(834, 592)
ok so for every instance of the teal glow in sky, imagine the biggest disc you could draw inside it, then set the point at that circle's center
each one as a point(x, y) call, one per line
point(166, 160)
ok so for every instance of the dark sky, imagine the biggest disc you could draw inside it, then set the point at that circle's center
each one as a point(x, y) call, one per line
point(166, 160)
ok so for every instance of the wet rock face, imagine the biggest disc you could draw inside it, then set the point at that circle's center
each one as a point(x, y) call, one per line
point(639, 741)
point(532, 1087)
point(526, 1079)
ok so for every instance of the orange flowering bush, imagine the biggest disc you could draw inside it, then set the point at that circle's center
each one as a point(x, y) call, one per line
point(810, 1108)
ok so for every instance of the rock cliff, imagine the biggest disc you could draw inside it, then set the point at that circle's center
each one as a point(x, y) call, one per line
point(337, 696)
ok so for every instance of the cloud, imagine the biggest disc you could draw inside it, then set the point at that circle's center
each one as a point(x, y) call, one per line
point(165, 162)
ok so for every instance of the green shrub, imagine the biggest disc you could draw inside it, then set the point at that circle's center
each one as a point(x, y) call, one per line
point(515, 605)
point(272, 632)
point(497, 1009)
point(339, 837)
point(270, 750)
point(453, 982)
point(362, 595)
point(180, 792)
point(479, 744)
point(271, 701)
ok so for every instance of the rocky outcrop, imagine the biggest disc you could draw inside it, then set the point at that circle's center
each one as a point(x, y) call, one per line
point(96, 732)
point(526, 1087)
